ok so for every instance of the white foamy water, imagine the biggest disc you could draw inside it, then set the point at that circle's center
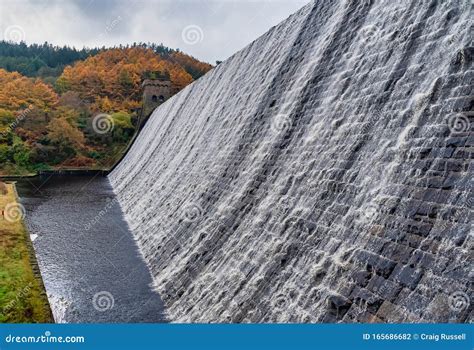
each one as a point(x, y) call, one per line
point(321, 174)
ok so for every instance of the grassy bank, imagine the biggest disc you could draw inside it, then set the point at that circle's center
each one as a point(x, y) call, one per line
point(22, 295)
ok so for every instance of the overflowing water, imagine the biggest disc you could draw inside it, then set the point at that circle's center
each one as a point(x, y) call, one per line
point(321, 174)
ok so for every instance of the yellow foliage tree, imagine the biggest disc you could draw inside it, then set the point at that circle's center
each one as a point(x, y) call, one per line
point(19, 92)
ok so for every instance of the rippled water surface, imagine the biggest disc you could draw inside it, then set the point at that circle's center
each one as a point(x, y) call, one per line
point(90, 264)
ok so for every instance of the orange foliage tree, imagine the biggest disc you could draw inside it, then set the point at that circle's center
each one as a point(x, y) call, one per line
point(111, 79)
point(18, 92)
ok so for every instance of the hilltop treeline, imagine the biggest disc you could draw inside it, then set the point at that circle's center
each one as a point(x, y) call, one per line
point(47, 60)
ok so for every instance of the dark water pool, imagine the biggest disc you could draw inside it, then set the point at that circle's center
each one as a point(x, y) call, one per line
point(89, 261)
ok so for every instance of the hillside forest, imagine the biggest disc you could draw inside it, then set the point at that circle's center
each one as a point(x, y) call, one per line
point(66, 108)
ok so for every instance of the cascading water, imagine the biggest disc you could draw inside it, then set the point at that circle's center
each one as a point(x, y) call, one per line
point(321, 174)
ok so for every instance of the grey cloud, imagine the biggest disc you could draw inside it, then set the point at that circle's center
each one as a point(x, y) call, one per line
point(227, 25)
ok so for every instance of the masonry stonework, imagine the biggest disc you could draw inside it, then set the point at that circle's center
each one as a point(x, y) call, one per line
point(322, 174)
point(155, 92)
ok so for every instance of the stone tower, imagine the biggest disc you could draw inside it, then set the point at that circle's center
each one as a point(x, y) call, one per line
point(156, 90)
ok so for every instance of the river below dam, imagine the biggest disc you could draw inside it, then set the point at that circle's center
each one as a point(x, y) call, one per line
point(90, 264)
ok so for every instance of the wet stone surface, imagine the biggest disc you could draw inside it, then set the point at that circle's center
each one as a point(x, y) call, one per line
point(322, 174)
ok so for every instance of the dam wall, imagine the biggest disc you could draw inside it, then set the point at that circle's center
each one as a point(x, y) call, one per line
point(322, 174)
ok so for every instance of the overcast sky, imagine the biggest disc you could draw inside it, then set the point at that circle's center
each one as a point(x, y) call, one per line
point(210, 30)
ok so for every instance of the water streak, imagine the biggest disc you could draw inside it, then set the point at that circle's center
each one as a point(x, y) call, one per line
point(314, 176)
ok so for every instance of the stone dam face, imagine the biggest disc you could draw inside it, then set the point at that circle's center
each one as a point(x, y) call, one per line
point(322, 174)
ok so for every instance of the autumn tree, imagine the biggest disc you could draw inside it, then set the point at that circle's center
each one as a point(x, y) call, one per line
point(61, 132)
point(116, 74)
